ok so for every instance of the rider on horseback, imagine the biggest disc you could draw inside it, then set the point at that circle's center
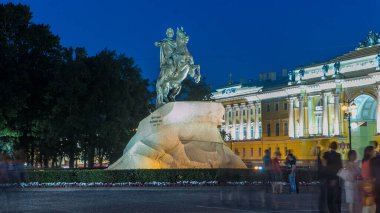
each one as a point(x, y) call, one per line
point(176, 63)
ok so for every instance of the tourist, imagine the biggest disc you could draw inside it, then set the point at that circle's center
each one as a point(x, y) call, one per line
point(332, 162)
point(266, 168)
point(322, 179)
point(375, 146)
point(351, 174)
point(276, 174)
point(291, 165)
point(368, 199)
point(375, 172)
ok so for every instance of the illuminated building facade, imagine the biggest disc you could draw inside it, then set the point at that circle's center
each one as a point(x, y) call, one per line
point(309, 110)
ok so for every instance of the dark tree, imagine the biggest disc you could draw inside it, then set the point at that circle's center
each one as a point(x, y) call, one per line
point(29, 54)
point(192, 91)
point(59, 102)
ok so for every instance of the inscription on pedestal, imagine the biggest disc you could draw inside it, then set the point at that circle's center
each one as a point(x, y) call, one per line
point(156, 120)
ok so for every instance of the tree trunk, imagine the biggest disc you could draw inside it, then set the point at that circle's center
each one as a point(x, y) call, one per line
point(41, 158)
point(32, 153)
point(91, 154)
point(101, 157)
point(71, 157)
point(61, 159)
point(46, 161)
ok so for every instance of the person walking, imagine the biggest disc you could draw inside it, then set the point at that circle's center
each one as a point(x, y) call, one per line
point(276, 174)
point(267, 169)
point(322, 205)
point(291, 165)
point(351, 174)
point(368, 187)
point(375, 172)
point(375, 147)
point(332, 161)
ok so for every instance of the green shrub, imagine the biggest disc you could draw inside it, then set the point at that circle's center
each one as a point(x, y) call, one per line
point(162, 175)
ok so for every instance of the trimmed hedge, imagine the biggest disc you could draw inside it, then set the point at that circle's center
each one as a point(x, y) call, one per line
point(162, 175)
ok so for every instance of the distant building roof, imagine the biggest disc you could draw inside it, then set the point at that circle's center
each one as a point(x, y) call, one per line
point(357, 53)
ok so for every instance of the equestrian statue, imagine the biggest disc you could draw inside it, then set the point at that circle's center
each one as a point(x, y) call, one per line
point(176, 63)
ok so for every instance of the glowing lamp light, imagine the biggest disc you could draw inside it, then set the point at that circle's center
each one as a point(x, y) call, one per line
point(344, 107)
point(256, 167)
point(354, 125)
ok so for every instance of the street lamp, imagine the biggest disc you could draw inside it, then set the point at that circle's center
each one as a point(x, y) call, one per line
point(348, 107)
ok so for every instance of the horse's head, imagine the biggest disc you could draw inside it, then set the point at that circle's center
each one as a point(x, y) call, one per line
point(182, 36)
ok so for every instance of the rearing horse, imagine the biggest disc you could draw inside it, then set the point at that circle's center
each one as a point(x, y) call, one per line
point(169, 86)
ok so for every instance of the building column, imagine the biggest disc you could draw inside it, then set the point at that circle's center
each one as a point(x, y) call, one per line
point(291, 118)
point(310, 111)
point(257, 118)
point(227, 121)
point(378, 110)
point(301, 116)
point(233, 129)
point(249, 136)
point(336, 113)
point(241, 128)
point(325, 113)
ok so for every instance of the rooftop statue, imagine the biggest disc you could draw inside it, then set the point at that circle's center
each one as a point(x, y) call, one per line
point(176, 63)
point(372, 39)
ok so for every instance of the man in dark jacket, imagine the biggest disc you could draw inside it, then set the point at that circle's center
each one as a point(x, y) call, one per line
point(332, 162)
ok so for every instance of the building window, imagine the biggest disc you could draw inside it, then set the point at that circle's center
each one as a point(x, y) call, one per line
point(259, 110)
point(244, 132)
point(243, 152)
point(319, 124)
point(286, 151)
point(229, 114)
point(259, 152)
point(286, 128)
point(252, 130)
point(268, 107)
point(237, 133)
point(285, 106)
point(276, 107)
point(236, 151)
point(260, 130)
point(237, 113)
point(268, 130)
point(277, 129)
point(251, 152)
point(251, 111)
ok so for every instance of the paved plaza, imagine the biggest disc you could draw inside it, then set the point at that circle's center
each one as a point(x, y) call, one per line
point(159, 199)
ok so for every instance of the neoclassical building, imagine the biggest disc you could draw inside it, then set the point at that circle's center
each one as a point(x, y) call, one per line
point(312, 108)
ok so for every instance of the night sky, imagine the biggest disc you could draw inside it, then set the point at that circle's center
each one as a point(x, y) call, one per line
point(241, 37)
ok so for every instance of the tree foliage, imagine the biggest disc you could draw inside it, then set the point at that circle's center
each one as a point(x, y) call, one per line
point(59, 102)
point(192, 91)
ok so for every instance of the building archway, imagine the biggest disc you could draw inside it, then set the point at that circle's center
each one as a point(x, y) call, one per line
point(363, 123)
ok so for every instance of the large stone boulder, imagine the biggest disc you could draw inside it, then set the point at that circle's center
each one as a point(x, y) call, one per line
point(179, 135)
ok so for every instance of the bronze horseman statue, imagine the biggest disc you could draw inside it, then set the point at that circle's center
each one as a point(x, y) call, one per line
point(176, 63)
point(165, 140)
